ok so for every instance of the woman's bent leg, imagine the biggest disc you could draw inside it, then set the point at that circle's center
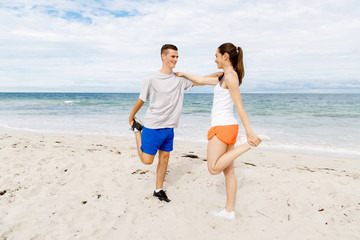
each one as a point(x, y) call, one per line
point(215, 150)
point(217, 157)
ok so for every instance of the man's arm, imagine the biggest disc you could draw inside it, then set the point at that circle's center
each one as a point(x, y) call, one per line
point(139, 103)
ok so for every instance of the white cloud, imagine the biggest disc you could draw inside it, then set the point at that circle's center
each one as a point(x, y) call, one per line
point(113, 45)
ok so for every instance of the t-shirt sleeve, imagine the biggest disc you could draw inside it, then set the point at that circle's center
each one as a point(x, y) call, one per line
point(145, 91)
point(187, 83)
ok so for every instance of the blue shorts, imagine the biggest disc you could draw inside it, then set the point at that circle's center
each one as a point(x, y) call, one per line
point(153, 140)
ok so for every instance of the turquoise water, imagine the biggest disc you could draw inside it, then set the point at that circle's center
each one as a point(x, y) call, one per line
point(327, 124)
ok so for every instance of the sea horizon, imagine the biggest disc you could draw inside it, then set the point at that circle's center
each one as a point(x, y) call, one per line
point(320, 123)
point(189, 92)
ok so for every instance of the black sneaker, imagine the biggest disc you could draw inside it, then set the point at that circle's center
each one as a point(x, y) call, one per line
point(162, 196)
point(137, 124)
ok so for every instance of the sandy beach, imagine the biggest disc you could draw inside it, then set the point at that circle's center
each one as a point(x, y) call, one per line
point(56, 186)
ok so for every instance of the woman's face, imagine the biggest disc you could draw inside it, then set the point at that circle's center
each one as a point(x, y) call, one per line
point(219, 59)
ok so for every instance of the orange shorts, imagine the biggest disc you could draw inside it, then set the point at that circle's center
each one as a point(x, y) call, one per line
point(227, 133)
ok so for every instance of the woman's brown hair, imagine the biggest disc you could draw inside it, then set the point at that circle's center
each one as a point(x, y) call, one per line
point(236, 58)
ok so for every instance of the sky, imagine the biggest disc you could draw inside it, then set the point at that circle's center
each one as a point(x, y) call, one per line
point(111, 46)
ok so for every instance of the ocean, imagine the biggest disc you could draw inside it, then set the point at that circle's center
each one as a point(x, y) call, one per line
point(325, 124)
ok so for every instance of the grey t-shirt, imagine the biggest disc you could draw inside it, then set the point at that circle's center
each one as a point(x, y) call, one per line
point(166, 92)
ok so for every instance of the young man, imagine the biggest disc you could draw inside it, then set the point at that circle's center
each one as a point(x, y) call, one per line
point(166, 92)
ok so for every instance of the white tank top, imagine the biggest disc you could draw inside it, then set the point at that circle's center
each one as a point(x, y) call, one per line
point(222, 112)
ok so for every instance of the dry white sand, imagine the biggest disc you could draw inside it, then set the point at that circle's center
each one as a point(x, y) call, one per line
point(55, 186)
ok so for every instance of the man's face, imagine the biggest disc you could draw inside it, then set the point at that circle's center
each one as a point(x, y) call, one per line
point(170, 58)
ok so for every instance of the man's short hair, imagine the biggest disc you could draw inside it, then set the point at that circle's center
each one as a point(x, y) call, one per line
point(165, 47)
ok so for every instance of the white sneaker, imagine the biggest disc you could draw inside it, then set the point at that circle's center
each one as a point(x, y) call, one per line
point(264, 138)
point(225, 214)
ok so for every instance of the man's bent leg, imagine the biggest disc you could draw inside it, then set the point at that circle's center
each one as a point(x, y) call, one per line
point(162, 168)
point(144, 157)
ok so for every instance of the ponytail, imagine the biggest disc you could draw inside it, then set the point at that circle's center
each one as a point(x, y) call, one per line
point(240, 70)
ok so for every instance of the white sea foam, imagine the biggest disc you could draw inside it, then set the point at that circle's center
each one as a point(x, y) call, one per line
point(314, 149)
point(70, 103)
point(268, 144)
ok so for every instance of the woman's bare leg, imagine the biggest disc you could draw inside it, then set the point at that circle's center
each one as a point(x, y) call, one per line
point(218, 158)
point(231, 184)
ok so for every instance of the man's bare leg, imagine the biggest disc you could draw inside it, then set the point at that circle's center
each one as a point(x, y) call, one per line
point(162, 168)
point(160, 175)
point(144, 157)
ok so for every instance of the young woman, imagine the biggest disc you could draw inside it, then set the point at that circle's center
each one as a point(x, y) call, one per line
point(222, 135)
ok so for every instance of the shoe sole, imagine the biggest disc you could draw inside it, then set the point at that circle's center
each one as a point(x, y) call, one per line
point(162, 199)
